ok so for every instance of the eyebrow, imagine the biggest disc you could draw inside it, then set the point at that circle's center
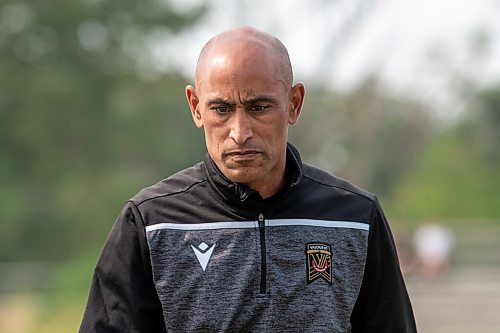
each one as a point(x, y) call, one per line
point(250, 101)
point(219, 101)
point(261, 99)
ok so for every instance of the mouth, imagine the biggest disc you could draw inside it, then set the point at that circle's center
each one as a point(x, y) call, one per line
point(242, 154)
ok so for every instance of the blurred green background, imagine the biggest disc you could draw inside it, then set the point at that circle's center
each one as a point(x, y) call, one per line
point(87, 118)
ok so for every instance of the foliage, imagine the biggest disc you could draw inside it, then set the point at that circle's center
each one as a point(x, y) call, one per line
point(79, 131)
point(458, 175)
point(89, 115)
point(366, 136)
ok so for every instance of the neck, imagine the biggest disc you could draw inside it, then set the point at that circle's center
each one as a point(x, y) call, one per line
point(268, 187)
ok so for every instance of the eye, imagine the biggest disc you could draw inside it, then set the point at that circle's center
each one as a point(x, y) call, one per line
point(221, 109)
point(259, 107)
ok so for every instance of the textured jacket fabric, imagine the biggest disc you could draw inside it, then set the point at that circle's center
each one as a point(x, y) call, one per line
point(199, 253)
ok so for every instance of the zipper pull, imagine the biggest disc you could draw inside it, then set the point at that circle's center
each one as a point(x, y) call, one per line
point(261, 217)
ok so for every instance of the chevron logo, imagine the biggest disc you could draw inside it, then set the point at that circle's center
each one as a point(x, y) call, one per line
point(203, 253)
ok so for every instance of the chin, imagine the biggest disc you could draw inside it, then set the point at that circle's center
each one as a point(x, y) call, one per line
point(243, 175)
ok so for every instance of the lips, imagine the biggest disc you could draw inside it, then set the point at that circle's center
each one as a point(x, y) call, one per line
point(242, 154)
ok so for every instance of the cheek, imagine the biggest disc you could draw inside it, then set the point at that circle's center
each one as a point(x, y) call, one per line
point(280, 129)
point(214, 138)
point(276, 137)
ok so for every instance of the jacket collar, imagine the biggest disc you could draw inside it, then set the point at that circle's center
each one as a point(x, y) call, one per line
point(240, 194)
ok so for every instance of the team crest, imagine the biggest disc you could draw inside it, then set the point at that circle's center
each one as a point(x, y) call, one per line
point(319, 262)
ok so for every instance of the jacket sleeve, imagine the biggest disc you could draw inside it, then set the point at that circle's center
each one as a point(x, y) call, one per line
point(383, 304)
point(122, 295)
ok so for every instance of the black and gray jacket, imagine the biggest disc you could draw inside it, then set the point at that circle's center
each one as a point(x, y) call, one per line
point(199, 253)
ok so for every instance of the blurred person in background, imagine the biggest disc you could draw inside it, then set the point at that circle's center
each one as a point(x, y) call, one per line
point(433, 246)
point(250, 239)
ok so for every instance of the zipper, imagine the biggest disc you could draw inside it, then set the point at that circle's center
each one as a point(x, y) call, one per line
point(263, 264)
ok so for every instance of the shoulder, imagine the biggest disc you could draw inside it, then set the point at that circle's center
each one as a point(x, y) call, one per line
point(178, 183)
point(324, 179)
point(323, 196)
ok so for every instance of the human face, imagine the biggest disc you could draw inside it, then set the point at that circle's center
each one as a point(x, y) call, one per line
point(245, 110)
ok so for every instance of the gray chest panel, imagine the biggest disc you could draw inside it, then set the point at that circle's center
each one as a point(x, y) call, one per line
point(208, 275)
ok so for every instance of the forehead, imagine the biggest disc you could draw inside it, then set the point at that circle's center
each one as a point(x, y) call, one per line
point(252, 71)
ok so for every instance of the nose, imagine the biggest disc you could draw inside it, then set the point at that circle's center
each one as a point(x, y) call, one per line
point(241, 129)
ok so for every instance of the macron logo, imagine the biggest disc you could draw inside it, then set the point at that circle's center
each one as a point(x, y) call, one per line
point(203, 253)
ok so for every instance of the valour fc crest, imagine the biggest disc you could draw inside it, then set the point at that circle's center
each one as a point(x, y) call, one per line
point(319, 262)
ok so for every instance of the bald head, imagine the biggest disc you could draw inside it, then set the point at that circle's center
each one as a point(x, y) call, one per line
point(245, 42)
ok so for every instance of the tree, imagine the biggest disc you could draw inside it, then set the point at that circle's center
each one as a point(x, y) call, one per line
point(366, 136)
point(86, 118)
point(458, 176)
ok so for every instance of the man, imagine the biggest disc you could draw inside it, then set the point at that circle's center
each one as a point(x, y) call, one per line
point(251, 239)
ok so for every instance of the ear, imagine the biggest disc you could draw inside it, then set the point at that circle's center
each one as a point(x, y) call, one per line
point(193, 101)
point(296, 100)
